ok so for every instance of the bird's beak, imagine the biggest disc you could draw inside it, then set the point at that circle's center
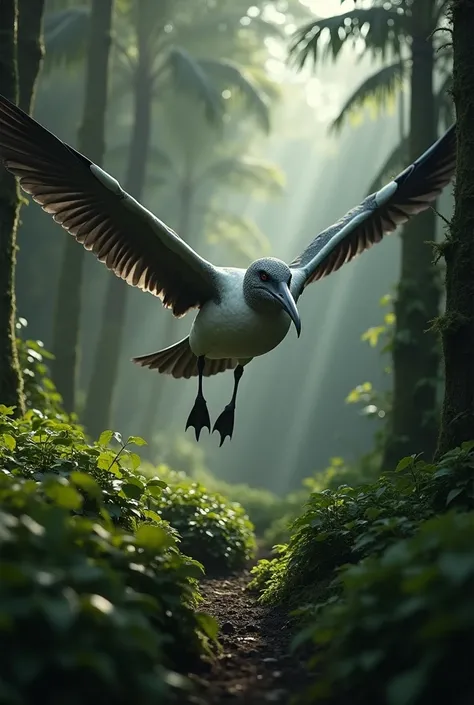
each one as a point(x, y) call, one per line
point(284, 296)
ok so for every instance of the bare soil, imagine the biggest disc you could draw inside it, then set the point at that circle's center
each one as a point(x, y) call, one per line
point(256, 666)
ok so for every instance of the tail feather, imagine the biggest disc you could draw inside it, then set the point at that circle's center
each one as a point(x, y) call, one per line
point(180, 361)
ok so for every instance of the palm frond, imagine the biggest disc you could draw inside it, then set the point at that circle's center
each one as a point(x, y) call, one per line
point(245, 174)
point(227, 74)
point(237, 232)
point(189, 77)
point(224, 25)
point(381, 28)
point(378, 89)
point(65, 36)
point(396, 161)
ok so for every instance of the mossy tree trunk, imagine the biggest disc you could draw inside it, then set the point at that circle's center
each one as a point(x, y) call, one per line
point(91, 142)
point(30, 50)
point(98, 411)
point(457, 325)
point(11, 385)
point(416, 354)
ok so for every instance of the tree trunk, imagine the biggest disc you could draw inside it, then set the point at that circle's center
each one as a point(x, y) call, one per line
point(30, 50)
point(457, 325)
point(11, 385)
point(416, 356)
point(154, 405)
point(91, 142)
point(98, 410)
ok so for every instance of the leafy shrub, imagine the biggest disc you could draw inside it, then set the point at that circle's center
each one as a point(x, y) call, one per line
point(41, 448)
point(213, 530)
point(89, 612)
point(345, 525)
point(40, 391)
point(403, 631)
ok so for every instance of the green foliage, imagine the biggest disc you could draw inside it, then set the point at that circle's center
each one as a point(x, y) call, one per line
point(40, 391)
point(346, 524)
point(262, 506)
point(403, 631)
point(48, 451)
point(382, 584)
point(213, 530)
point(97, 602)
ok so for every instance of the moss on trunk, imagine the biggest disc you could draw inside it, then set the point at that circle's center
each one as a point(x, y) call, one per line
point(11, 386)
point(416, 354)
point(457, 325)
point(91, 141)
point(30, 50)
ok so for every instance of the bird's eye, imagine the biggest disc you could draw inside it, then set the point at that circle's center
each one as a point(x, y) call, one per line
point(263, 275)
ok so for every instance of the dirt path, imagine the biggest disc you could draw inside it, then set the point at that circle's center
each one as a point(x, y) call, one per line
point(255, 666)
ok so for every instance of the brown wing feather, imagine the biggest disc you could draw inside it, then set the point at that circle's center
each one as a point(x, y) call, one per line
point(106, 220)
point(180, 361)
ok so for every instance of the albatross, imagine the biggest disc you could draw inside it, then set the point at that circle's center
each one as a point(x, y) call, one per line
point(242, 313)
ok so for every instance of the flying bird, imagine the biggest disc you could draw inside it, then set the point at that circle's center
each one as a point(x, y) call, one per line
point(242, 313)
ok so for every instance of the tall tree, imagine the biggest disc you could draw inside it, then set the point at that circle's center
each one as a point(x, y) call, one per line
point(11, 385)
point(157, 63)
point(405, 33)
point(457, 325)
point(91, 141)
point(30, 50)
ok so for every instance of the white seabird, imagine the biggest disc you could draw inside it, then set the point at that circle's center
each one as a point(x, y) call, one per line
point(243, 313)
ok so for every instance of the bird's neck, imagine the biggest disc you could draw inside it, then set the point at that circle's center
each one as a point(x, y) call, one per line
point(259, 304)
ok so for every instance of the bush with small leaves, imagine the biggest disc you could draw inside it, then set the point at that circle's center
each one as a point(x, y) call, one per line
point(346, 524)
point(402, 631)
point(213, 530)
point(42, 449)
point(94, 591)
point(89, 612)
point(40, 391)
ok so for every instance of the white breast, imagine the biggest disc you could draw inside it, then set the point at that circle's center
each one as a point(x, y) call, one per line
point(232, 329)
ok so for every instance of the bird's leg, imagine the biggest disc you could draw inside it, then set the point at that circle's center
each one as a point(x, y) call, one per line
point(225, 422)
point(199, 416)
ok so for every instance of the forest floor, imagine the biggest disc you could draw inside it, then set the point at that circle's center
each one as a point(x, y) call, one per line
point(255, 666)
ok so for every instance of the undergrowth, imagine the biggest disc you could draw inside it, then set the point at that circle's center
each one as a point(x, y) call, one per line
point(369, 573)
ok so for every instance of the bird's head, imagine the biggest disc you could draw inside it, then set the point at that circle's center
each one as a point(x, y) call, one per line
point(266, 284)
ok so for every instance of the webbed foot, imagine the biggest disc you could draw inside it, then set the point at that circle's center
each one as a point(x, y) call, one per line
point(225, 423)
point(199, 416)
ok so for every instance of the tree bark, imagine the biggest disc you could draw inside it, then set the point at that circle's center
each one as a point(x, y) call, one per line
point(414, 420)
point(11, 384)
point(457, 325)
point(91, 141)
point(99, 402)
point(30, 50)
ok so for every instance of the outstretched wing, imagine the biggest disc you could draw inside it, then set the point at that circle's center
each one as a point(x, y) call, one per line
point(93, 207)
point(382, 212)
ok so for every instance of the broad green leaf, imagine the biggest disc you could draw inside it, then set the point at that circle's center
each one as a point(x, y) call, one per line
point(208, 624)
point(136, 440)
point(157, 483)
point(404, 463)
point(135, 460)
point(87, 483)
point(131, 490)
point(7, 410)
point(105, 438)
point(453, 494)
point(64, 496)
point(9, 441)
point(153, 538)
